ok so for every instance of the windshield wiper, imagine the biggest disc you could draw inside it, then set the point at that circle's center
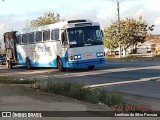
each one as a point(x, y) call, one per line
point(76, 45)
point(87, 44)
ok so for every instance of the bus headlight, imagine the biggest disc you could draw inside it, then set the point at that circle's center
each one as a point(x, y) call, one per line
point(100, 54)
point(77, 57)
point(71, 57)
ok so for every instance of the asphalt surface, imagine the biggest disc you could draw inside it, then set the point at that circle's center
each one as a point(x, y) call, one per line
point(136, 78)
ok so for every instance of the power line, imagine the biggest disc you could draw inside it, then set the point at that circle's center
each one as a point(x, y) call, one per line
point(114, 1)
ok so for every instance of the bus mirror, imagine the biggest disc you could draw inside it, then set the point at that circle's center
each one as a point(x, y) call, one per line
point(102, 33)
point(64, 38)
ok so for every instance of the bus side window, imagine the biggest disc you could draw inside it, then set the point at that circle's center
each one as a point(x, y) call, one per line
point(18, 39)
point(64, 38)
point(25, 38)
point(46, 35)
point(31, 38)
point(38, 36)
point(55, 34)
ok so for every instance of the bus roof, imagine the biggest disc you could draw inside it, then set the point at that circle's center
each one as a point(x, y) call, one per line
point(59, 25)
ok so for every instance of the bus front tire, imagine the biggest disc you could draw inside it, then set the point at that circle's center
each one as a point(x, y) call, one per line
point(60, 65)
point(91, 67)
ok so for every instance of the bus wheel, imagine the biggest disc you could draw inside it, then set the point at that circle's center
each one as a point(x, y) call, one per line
point(91, 67)
point(28, 64)
point(60, 65)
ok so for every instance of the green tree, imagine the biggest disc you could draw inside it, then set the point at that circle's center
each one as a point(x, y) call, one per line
point(126, 33)
point(110, 44)
point(48, 18)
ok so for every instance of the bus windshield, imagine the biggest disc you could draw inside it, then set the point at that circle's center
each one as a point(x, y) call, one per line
point(84, 36)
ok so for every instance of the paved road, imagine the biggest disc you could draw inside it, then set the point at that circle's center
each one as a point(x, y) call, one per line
point(137, 78)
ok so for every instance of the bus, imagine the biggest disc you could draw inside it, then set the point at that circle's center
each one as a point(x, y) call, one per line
point(67, 44)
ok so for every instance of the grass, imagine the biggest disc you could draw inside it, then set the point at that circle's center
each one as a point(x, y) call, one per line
point(137, 57)
point(9, 80)
point(158, 55)
point(78, 91)
point(73, 90)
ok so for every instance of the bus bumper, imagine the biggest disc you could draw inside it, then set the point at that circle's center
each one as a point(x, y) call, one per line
point(84, 63)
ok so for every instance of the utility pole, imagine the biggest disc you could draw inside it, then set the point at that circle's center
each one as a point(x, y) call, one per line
point(120, 52)
point(117, 2)
point(118, 10)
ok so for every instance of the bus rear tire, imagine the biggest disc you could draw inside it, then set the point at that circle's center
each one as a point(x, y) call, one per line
point(91, 67)
point(60, 65)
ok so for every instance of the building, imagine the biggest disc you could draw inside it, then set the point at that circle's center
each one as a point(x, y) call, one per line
point(154, 42)
point(151, 44)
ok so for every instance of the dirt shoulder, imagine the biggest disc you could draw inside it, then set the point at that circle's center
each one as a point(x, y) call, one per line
point(24, 98)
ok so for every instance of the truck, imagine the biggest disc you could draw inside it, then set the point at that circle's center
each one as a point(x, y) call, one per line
point(10, 48)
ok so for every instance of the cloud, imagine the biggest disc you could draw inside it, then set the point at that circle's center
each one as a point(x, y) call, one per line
point(99, 14)
point(11, 22)
point(81, 15)
point(92, 14)
point(151, 16)
point(157, 22)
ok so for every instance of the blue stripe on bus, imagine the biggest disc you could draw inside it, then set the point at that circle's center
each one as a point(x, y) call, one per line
point(50, 64)
point(66, 63)
point(73, 64)
point(37, 64)
point(22, 61)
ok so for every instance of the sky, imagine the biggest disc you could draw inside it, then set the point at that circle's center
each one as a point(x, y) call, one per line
point(16, 14)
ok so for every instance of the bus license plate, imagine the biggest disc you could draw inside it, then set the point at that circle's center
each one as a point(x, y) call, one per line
point(88, 55)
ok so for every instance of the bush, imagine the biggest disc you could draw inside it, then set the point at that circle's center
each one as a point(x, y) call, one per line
point(72, 89)
point(78, 91)
point(116, 99)
point(9, 80)
point(104, 97)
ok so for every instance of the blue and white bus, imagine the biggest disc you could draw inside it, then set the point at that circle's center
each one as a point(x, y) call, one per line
point(68, 44)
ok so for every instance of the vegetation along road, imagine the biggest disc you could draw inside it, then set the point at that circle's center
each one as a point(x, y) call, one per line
point(137, 78)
